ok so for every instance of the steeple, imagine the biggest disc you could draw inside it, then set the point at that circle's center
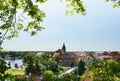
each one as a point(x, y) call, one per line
point(64, 48)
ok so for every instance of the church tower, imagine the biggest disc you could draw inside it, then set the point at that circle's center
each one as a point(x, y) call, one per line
point(64, 48)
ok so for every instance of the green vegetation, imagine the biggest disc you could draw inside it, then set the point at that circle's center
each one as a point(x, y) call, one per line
point(104, 70)
point(7, 74)
point(81, 67)
point(56, 58)
point(48, 75)
point(11, 25)
point(68, 77)
point(43, 66)
point(37, 65)
point(65, 68)
point(3, 68)
point(62, 69)
point(15, 72)
point(13, 55)
point(33, 64)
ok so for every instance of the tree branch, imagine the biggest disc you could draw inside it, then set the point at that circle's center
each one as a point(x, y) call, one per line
point(3, 37)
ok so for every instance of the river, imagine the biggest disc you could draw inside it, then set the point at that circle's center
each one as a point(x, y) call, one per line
point(13, 62)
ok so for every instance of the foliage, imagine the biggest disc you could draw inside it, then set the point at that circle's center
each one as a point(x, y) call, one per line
point(81, 67)
point(105, 70)
point(33, 65)
point(37, 65)
point(13, 55)
point(71, 64)
point(66, 68)
point(7, 77)
point(3, 67)
point(39, 68)
point(75, 6)
point(116, 3)
point(69, 77)
point(62, 69)
point(30, 57)
point(22, 79)
point(56, 58)
point(50, 65)
point(53, 66)
point(48, 75)
point(15, 72)
point(113, 65)
point(29, 60)
point(44, 57)
point(12, 24)
point(9, 10)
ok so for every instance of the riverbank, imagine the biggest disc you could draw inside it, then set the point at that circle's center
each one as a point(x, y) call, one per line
point(13, 62)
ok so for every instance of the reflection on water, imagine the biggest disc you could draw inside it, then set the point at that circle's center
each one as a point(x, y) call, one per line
point(13, 62)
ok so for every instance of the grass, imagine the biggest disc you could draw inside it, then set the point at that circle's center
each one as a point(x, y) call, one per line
point(15, 72)
point(22, 72)
point(65, 68)
point(62, 69)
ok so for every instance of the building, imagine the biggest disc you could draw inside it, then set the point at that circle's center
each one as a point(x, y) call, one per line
point(87, 58)
point(66, 59)
point(115, 55)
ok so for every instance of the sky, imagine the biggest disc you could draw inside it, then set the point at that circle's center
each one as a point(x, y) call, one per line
point(98, 30)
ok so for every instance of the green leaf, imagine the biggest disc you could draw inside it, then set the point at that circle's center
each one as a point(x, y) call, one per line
point(33, 33)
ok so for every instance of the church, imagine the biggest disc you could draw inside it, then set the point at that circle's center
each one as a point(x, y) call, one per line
point(65, 58)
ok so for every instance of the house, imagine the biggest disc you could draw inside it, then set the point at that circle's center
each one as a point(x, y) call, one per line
point(109, 55)
point(87, 58)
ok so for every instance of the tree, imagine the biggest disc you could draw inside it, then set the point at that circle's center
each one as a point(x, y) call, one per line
point(29, 57)
point(34, 66)
point(3, 68)
point(113, 65)
point(81, 67)
point(71, 64)
point(48, 75)
point(116, 3)
point(45, 57)
point(11, 24)
point(57, 58)
point(29, 60)
point(39, 68)
point(105, 70)
point(53, 66)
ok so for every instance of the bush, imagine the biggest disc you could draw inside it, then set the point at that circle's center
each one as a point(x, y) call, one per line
point(48, 75)
point(22, 79)
point(61, 69)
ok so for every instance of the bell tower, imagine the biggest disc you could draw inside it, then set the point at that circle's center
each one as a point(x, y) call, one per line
point(64, 47)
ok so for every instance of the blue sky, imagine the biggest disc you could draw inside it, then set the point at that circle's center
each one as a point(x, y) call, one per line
point(98, 30)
